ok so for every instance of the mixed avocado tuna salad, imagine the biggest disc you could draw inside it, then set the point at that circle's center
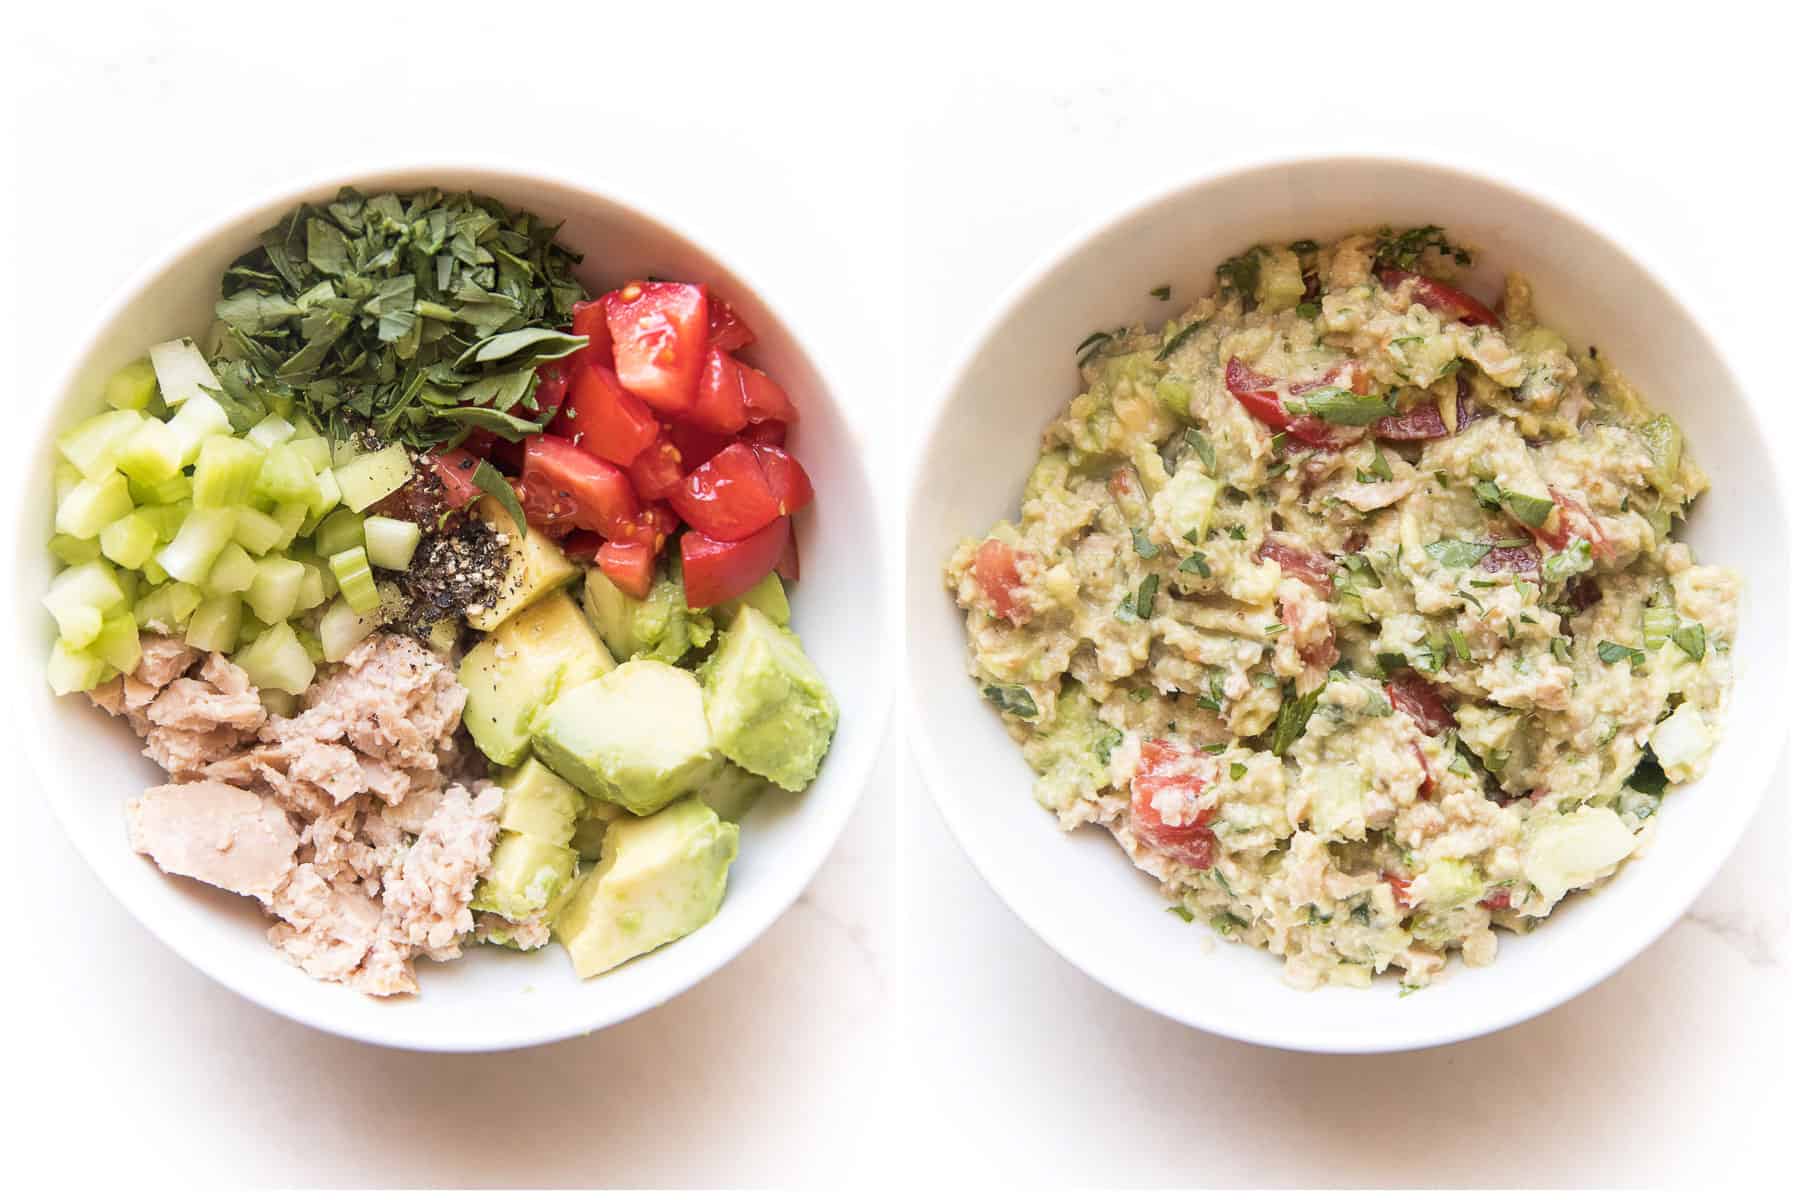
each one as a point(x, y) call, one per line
point(1352, 608)
point(450, 599)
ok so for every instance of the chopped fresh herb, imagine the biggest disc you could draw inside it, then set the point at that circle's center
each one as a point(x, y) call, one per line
point(1280, 468)
point(1181, 910)
point(1237, 533)
point(1265, 680)
point(1460, 644)
point(1143, 545)
point(1011, 699)
point(1510, 543)
point(1378, 469)
point(1307, 310)
point(1215, 748)
point(1404, 250)
point(1290, 722)
point(1146, 596)
point(1276, 628)
point(1180, 336)
point(1239, 770)
point(1304, 246)
point(1360, 914)
point(1612, 652)
point(1203, 448)
point(1692, 641)
point(1092, 339)
point(1277, 442)
point(1195, 564)
point(1648, 776)
point(1484, 584)
point(1219, 878)
point(1108, 742)
point(1576, 558)
point(1457, 555)
point(1225, 924)
point(1341, 406)
point(1127, 610)
point(494, 484)
point(1139, 694)
point(1528, 510)
point(1094, 344)
point(1487, 492)
point(1315, 917)
point(1241, 274)
point(1161, 293)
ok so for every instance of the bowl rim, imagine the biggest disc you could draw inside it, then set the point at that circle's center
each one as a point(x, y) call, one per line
point(491, 175)
point(1761, 757)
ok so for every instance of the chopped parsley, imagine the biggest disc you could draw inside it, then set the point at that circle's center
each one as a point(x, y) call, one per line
point(1012, 699)
point(1341, 406)
point(1577, 558)
point(1692, 641)
point(1307, 309)
point(1290, 722)
point(1143, 545)
point(1195, 564)
point(1404, 250)
point(1108, 742)
point(1140, 694)
point(1237, 533)
point(1612, 652)
point(1146, 596)
point(1238, 770)
point(1181, 910)
point(1161, 293)
point(1203, 448)
point(1377, 470)
point(1457, 555)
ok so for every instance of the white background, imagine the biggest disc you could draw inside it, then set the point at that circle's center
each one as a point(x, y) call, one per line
point(889, 177)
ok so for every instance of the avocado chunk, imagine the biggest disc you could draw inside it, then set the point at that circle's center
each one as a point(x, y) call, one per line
point(659, 878)
point(660, 626)
point(523, 665)
point(534, 566)
point(540, 803)
point(768, 707)
point(767, 596)
point(637, 736)
point(731, 791)
point(526, 877)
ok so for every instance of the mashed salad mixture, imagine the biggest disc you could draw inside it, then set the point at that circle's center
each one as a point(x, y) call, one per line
point(1351, 607)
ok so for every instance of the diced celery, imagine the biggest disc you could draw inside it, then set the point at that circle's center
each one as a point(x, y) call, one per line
point(94, 584)
point(309, 641)
point(181, 371)
point(342, 628)
point(315, 450)
point(369, 477)
point(175, 487)
point(226, 473)
point(442, 636)
point(233, 571)
point(256, 531)
point(93, 446)
point(340, 531)
point(66, 476)
point(330, 495)
point(78, 624)
point(249, 630)
point(1660, 623)
point(129, 541)
point(291, 517)
point(167, 608)
point(166, 519)
point(117, 644)
point(73, 671)
point(73, 550)
point(275, 594)
point(200, 418)
point(312, 588)
point(271, 431)
point(203, 534)
point(215, 623)
point(153, 573)
point(286, 476)
point(131, 585)
point(155, 452)
point(92, 505)
point(132, 386)
point(390, 543)
point(355, 579)
point(278, 702)
point(276, 659)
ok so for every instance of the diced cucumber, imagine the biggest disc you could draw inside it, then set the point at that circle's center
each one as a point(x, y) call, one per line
point(232, 571)
point(369, 477)
point(1683, 741)
point(276, 659)
point(256, 531)
point(129, 541)
point(215, 624)
point(286, 476)
point(94, 445)
point(73, 550)
point(131, 387)
point(203, 534)
point(275, 593)
point(155, 452)
point(355, 579)
point(167, 608)
point(166, 519)
point(225, 475)
point(175, 488)
point(200, 418)
point(390, 543)
point(269, 432)
point(1571, 850)
point(329, 495)
point(312, 588)
point(92, 505)
point(291, 516)
point(338, 532)
point(181, 371)
point(117, 644)
point(315, 450)
point(71, 670)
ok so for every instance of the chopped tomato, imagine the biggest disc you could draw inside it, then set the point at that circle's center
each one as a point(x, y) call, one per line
point(1573, 519)
point(658, 521)
point(603, 418)
point(547, 510)
point(725, 330)
point(590, 323)
point(787, 478)
point(694, 446)
point(1305, 565)
point(1501, 898)
point(767, 433)
point(788, 565)
point(1261, 397)
point(1321, 651)
point(764, 399)
point(715, 571)
point(1425, 787)
point(1512, 560)
point(997, 572)
point(659, 341)
point(1400, 884)
point(631, 565)
point(719, 404)
point(1413, 694)
point(727, 497)
point(582, 545)
point(597, 494)
point(457, 470)
point(1440, 298)
point(1423, 422)
point(1168, 809)
point(656, 473)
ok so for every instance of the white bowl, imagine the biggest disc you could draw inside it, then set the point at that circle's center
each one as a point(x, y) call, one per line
point(88, 763)
point(1079, 892)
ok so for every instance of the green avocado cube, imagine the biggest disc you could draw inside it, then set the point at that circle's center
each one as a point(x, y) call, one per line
point(540, 803)
point(526, 876)
point(636, 737)
point(768, 707)
point(522, 666)
point(659, 878)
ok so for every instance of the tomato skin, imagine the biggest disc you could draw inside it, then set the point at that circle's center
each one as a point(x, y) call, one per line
point(547, 510)
point(787, 478)
point(767, 433)
point(599, 494)
point(764, 399)
point(996, 570)
point(1500, 899)
point(1400, 884)
point(631, 565)
point(1164, 767)
point(1261, 397)
point(603, 418)
point(1574, 520)
point(1423, 422)
point(590, 322)
point(659, 341)
point(1413, 694)
point(725, 330)
point(1440, 298)
point(715, 571)
point(456, 468)
point(1305, 565)
point(788, 565)
point(694, 446)
point(719, 404)
point(1522, 561)
point(727, 497)
point(657, 473)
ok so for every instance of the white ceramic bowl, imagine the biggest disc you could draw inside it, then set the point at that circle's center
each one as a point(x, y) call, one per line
point(87, 763)
point(1079, 893)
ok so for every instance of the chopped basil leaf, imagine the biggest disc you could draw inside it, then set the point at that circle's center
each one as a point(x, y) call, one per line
point(1215, 748)
point(1192, 536)
point(1612, 652)
point(1146, 596)
point(1487, 492)
point(1226, 923)
point(1237, 533)
point(1203, 448)
point(494, 484)
point(1307, 310)
point(1143, 545)
point(1195, 563)
point(1405, 250)
point(1276, 628)
point(1648, 776)
point(1341, 406)
point(1457, 555)
point(1576, 558)
point(1529, 510)
point(1290, 722)
point(1692, 640)
point(1219, 878)
point(1014, 700)
point(1460, 644)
